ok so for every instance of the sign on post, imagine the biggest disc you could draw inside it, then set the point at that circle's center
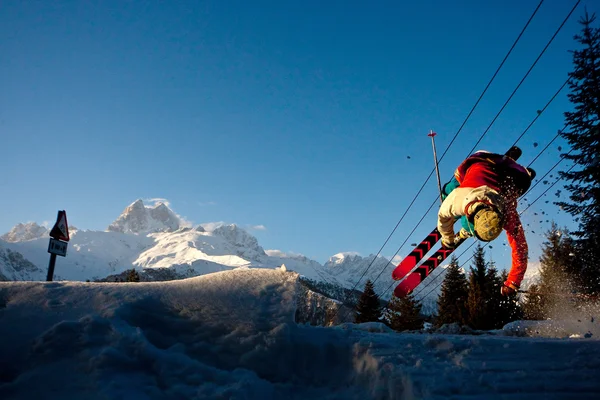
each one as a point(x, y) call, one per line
point(60, 230)
point(59, 236)
point(57, 247)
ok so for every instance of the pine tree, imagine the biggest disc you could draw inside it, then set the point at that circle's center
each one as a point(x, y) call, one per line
point(132, 276)
point(478, 299)
point(508, 308)
point(534, 304)
point(496, 316)
point(453, 297)
point(368, 308)
point(556, 274)
point(583, 136)
point(404, 314)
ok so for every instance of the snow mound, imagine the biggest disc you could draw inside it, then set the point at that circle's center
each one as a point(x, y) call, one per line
point(234, 335)
point(573, 329)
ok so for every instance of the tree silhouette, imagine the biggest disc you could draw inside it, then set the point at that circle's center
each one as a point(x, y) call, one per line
point(583, 136)
point(404, 313)
point(132, 276)
point(478, 296)
point(453, 297)
point(558, 272)
point(368, 308)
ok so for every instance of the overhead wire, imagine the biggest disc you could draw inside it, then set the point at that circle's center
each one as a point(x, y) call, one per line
point(481, 137)
point(452, 141)
point(539, 114)
point(502, 109)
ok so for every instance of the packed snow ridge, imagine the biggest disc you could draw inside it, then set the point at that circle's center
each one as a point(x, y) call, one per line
point(243, 334)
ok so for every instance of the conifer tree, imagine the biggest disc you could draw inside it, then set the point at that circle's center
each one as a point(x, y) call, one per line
point(453, 297)
point(368, 308)
point(508, 308)
point(496, 316)
point(404, 314)
point(534, 304)
point(557, 274)
point(478, 299)
point(583, 136)
point(132, 276)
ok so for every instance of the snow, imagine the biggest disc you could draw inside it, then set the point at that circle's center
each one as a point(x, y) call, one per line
point(233, 335)
point(348, 268)
point(23, 232)
point(90, 255)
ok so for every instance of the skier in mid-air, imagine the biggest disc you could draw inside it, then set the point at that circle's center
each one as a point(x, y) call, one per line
point(483, 193)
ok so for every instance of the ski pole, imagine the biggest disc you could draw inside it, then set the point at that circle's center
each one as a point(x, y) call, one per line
point(437, 170)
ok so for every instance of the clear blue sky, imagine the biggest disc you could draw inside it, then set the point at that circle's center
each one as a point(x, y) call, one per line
point(296, 115)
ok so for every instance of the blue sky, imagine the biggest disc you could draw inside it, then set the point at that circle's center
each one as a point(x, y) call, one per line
point(296, 116)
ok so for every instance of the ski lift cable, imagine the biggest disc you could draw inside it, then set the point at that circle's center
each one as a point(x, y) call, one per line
point(554, 96)
point(453, 139)
point(528, 72)
point(516, 141)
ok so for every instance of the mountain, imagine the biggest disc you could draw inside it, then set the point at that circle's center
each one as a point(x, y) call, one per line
point(149, 238)
point(140, 219)
point(23, 232)
point(15, 267)
point(348, 268)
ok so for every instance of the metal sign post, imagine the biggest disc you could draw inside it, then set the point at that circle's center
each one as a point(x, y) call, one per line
point(59, 238)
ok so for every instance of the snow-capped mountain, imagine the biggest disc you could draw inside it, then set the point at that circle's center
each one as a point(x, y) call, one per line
point(145, 237)
point(348, 269)
point(15, 267)
point(153, 238)
point(141, 219)
point(23, 232)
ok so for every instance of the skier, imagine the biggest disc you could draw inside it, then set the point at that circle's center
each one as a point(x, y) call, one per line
point(483, 193)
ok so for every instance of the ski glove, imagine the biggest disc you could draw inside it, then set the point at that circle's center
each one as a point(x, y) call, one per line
point(448, 244)
point(508, 290)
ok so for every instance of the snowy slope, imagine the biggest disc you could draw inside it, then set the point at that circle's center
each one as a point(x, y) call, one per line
point(90, 254)
point(233, 335)
point(15, 267)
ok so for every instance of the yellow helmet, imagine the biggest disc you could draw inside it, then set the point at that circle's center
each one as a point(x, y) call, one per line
point(488, 224)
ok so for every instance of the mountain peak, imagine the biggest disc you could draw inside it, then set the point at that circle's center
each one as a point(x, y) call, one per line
point(24, 232)
point(238, 237)
point(138, 218)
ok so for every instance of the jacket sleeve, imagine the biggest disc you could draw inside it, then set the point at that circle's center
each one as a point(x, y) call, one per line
point(518, 244)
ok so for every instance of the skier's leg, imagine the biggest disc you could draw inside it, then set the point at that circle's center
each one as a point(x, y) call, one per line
point(450, 209)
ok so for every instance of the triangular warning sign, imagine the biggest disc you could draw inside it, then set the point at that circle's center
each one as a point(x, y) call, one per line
point(60, 230)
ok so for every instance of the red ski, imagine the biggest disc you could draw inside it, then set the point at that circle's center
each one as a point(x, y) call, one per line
point(415, 278)
point(410, 261)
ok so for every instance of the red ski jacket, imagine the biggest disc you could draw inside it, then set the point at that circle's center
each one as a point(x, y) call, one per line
point(510, 180)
